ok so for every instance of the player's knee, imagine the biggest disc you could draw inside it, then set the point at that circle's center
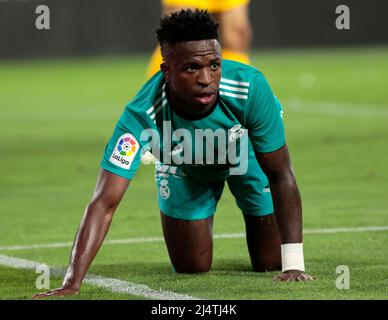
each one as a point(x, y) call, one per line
point(237, 37)
point(196, 267)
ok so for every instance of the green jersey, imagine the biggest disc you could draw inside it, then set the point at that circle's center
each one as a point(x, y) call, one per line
point(246, 107)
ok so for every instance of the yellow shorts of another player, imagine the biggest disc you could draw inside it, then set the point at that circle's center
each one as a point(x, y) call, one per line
point(211, 5)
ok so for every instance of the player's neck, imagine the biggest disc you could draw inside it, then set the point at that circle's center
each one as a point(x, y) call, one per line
point(183, 110)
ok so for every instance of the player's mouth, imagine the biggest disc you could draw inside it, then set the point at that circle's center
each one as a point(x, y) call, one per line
point(205, 98)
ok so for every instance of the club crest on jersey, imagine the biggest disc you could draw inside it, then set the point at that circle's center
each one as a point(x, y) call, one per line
point(164, 190)
point(236, 132)
point(125, 151)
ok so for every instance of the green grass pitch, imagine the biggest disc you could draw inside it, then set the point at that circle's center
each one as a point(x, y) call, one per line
point(57, 115)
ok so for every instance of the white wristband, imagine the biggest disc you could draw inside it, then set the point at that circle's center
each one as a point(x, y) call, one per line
point(292, 256)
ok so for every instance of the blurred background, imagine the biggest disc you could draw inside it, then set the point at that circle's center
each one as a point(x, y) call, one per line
point(62, 91)
point(98, 27)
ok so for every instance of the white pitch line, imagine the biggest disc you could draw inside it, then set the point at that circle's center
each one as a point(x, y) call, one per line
point(216, 236)
point(345, 230)
point(111, 284)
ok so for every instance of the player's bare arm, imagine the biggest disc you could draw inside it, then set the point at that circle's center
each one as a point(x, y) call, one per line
point(93, 228)
point(287, 203)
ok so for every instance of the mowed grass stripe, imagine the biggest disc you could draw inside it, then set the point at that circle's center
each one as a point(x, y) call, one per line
point(216, 236)
point(111, 284)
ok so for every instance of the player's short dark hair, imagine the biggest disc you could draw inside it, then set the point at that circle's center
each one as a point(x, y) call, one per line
point(187, 25)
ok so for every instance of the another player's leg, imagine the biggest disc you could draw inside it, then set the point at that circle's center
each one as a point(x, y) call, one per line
point(155, 62)
point(156, 57)
point(263, 242)
point(189, 243)
point(236, 33)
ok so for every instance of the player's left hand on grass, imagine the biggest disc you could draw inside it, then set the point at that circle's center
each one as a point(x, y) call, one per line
point(293, 275)
point(60, 292)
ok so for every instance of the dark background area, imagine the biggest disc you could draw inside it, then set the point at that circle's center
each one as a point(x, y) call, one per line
point(98, 27)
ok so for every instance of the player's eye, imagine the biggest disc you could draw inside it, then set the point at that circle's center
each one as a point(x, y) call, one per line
point(214, 66)
point(192, 68)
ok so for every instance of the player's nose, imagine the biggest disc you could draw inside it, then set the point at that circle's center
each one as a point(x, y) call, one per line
point(205, 77)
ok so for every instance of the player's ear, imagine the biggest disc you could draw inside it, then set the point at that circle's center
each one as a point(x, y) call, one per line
point(166, 71)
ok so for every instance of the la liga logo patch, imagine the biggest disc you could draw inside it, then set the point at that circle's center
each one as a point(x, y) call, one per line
point(125, 151)
point(127, 146)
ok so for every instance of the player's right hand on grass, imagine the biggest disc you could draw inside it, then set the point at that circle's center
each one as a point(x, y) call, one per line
point(293, 275)
point(60, 292)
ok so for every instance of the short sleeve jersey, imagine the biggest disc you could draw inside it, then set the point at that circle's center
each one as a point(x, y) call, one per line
point(245, 100)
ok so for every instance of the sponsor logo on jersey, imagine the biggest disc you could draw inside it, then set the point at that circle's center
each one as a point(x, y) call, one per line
point(267, 189)
point(125, 151)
